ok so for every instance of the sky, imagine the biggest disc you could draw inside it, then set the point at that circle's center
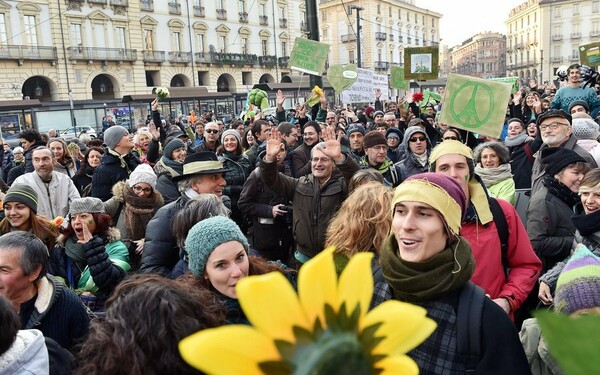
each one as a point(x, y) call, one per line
point(464, 18)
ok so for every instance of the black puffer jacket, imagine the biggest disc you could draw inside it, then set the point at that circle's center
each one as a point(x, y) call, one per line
point(110, 172)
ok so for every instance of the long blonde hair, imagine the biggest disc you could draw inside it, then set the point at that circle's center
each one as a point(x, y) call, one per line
point(363, 221)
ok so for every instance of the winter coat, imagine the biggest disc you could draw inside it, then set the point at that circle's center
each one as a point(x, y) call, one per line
point(410, 166)
point(109, 172)
point(520, 165)
point(592, 146)
point(301, 160)
point(106, 262)
point(237, 170)
point(27, 355)
point(486, 247)
point(504, 189)
point(549, 227)
point(252, 153)
point(111, 207)
point(161, 252)
point(57, 311)
point(69, 169)
point(53, 199)
point(538, 170)
point(540, 360)
point(7, 164)
point(314, 205)
point(84, 179)
point(391, 172)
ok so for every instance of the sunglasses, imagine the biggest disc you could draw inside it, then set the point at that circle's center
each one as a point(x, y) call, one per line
point(211, 131)
point(452, 138)
point(415, 139)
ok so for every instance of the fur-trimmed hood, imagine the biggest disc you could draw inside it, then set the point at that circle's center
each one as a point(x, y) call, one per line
point(120, 189)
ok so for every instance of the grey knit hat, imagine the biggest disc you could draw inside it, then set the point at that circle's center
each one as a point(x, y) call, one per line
point(584, 127)
point(231, 132)
point(88, 204)
point(113, 135)
point(205, 236)
point(142, 173)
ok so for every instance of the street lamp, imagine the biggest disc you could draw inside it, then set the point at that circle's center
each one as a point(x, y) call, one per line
point(358, 9)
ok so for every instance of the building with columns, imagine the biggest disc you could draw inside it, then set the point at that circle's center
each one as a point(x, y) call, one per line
point(482, 56)
point(545, 34)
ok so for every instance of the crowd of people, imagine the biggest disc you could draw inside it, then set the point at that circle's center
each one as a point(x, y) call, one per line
point(116, 248)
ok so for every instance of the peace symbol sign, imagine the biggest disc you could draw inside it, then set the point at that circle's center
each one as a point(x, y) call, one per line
point(472, 105)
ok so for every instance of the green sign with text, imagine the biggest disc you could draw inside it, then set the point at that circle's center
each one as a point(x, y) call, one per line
point(397, 80)
point(309, 56)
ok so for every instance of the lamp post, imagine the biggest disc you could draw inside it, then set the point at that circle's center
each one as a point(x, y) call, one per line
point(358, 9)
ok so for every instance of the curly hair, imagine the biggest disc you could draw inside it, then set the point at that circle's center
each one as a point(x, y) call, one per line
point(146, 317)
point(499, 148)
point(363, 221)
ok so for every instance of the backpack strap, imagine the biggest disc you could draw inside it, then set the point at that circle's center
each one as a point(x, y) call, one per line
point(502, 228)
point(468, 325)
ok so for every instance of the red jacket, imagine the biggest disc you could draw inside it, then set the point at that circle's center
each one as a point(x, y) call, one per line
point(525, 266)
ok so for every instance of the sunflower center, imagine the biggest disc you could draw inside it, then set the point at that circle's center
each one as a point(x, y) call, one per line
point(333, 353)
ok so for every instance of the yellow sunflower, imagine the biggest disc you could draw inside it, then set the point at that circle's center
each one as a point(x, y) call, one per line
point(324, 329)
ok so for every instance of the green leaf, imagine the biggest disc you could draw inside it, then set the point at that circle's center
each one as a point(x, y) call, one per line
point(573, 341)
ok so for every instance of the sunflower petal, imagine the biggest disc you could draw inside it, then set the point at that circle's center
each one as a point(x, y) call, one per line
point(317, 285)
point(271, 305)
point(233, 349)
point(404, 326)
point(397, 365)
point(356, 283)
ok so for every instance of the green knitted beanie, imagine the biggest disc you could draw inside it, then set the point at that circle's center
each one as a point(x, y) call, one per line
point(205, 236)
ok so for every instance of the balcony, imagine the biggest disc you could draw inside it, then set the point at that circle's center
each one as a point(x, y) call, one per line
point(100, 2)
point(236, 59)
point(382, 65)
point(519, 46)
point(263, 20)
point(147, 5)
point(595, 33)
point(150, 56)
point(243, 17)
point(283, 61)
point(400, 39)
point(221, 14)
point(391, 36)
point(556, 37)
point(180, 57)
point(303, 26)
point(283, 22)
point(102, 54)
point(22, 53)
point(267, 61)
point(575, 57)
point(417, 41)
point(119, 3)
point(575, 35)
point(199, 11)
point(380, 36)
point(204, 57)
point(348, 38)
point(557, 59)
point(174, 8)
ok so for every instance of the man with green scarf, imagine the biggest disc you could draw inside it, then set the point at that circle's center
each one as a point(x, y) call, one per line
point(375, 146)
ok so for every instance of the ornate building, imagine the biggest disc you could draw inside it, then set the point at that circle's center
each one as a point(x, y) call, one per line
point(482, 55)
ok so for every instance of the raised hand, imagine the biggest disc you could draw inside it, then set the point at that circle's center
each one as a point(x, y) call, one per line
point(154, 104)
point(279, 100)
point(274, 146)
point(332, 148)
point(154, 131)
point(87, 235)
point(377, 94)
point(302, 111)
point(517, 97)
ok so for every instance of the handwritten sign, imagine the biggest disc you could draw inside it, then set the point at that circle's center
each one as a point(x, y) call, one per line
point(309, 56)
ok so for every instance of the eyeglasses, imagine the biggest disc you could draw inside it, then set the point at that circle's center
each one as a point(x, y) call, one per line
point(139, 189)
point(553, 125)
point(322, 160)
point(211, 131)
point(380, 148)
point(419, 139)
point(452, 138)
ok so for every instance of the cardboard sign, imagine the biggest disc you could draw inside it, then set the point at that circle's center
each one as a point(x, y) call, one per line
point(308, 56)
point(589, 54)
point(475, 104)
point(380, 81)
point(421, 63)
point(514, 81)
point(397, 80)
point(341, 76)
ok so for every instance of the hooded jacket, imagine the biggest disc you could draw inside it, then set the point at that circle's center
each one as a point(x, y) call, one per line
point(27, 355)
point(409, 165)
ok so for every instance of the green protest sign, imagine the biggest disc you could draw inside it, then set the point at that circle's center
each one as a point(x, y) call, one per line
point(589, 54)
point(514, 81)
point(308, 56)
point(397, 80)
point(421, 63)
point(341, 76)
point(475, 104)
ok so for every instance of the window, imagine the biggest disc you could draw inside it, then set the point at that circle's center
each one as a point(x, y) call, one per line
point(557, 30)
point(3, 35)
point(378, 8)
point(576, 9)
point(399, 14)
point(557, 51)
point(176, 41)
point(575, 52)
point(282, 12)
point(262, 10)
point(265, 47)
point(595, 6)
point(75, 30)
point(325, 34)
point(30, 31)
point(423, 20)
point(595, 27)
point(245, 46)
point(389, 11)
point(379, 54)
point(120, 37)
point(220, 4)
point(198, 3)
point(200, 42)
point(284, 51)
point(407, 17)
point(223, 43)
point(415, 18)
point(557, 11)
point(351, 57)
point(433, 22)
point(242, 6)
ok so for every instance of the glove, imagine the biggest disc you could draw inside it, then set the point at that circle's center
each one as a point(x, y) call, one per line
point(589, 76)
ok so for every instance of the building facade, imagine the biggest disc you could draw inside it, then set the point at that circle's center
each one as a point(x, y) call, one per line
point(105, 49)
point(387, 27)
point(545, 34)
point(483, 56)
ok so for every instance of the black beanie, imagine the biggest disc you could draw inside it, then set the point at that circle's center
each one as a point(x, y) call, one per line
point(558, 158)
point(374, 138)
point(23, 194)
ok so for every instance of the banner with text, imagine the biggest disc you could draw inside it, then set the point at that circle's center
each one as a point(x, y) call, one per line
point(363, 90)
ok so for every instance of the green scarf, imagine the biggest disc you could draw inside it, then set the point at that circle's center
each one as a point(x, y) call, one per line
point(383, 167)
point(75, 251)
point(440, 275)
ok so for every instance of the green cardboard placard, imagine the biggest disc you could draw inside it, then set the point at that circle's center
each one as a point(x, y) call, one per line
point(397, 80)
point(589, 54)
point(475, 104)
point(421, 63)
point(514, 81)
point(308, 56)
point(341, 76)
